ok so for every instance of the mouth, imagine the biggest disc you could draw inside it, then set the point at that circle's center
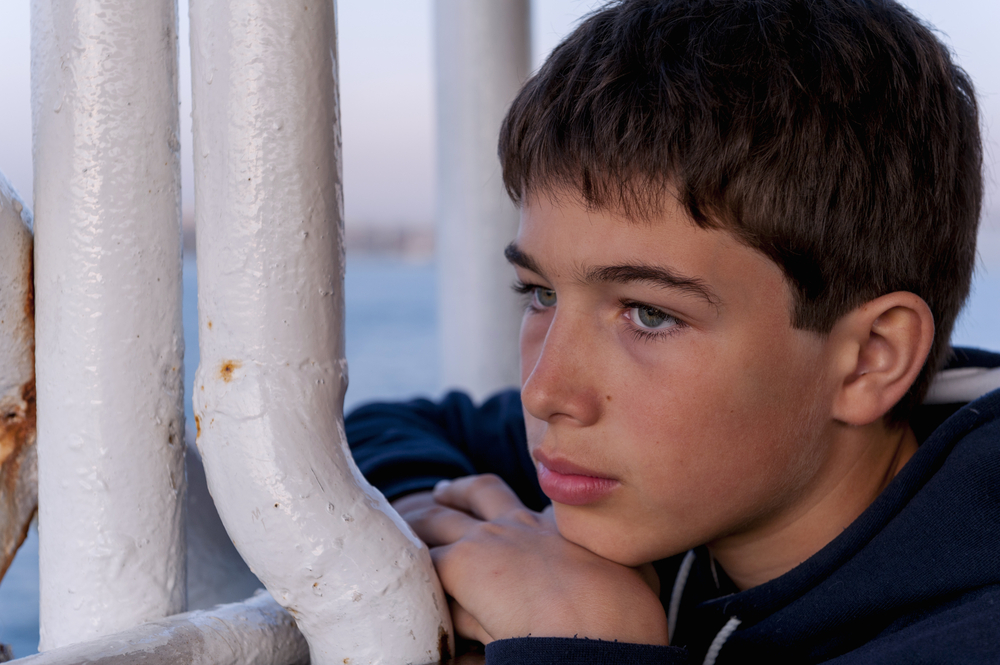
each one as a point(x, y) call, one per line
point(570, 484)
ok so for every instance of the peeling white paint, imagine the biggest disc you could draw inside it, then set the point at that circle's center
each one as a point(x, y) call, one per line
point(18, 455)
point(269, 391)
point(108, 315)
point(482, 55)
point(253, 632)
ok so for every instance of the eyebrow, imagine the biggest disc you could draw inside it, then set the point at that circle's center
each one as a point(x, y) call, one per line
point(625, 274)
point(515, 256)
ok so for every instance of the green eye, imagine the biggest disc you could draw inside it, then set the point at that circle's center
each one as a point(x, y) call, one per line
point(650, 317)
point(545, 297)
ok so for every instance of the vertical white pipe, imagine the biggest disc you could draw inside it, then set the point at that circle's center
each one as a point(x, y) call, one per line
point(482, 53)
point(270, 387)
point(108, 316)
point(18, 456)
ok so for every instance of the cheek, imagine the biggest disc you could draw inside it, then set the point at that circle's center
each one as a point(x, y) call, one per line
point(728, 434)
point(760, 446)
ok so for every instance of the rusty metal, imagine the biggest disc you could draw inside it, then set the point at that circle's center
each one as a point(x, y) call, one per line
point(18, 455)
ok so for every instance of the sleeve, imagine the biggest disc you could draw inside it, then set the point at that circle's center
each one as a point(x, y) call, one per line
point(410, 446)
point(574, 651)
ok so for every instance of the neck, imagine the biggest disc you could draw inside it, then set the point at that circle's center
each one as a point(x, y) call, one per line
point(865, 460)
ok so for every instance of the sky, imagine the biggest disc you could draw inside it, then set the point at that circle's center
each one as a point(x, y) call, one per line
point(387, 95)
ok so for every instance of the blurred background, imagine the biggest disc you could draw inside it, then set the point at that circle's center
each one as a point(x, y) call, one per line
point(388, 125)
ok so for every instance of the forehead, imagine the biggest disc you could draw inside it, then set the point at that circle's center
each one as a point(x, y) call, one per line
point(562, 239)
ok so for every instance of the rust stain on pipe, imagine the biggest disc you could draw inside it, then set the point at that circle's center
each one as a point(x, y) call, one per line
point(444, 649)
point(18, 472)
point(18, 455)
point(17, 423)
point(29, 302)
point(227, 369)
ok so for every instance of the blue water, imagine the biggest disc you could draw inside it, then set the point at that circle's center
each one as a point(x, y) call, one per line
point(392, 353)
point(19, 599)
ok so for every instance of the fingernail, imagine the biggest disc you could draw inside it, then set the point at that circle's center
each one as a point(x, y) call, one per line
point(442, 485)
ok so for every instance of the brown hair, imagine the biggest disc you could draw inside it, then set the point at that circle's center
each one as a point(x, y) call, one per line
point(836, 137)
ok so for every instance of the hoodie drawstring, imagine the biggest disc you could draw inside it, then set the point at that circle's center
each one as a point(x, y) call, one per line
point(720, 639)
point(675, 605)
point(675, 595)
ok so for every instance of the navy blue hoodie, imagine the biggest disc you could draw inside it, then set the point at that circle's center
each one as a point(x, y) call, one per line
point(915, 579)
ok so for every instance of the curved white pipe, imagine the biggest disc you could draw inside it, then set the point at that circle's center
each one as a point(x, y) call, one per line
point(18, 457)
point(270, 387)
point(216, 573)
point(256, 631)
point(108, 316)
point(482, 54)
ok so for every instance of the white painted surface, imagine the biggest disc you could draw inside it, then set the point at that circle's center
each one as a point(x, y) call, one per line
point(957, 386)
point(108, 316)
point(269, 390)
point(482, 57)
point(253, 632)
point(18, 456)
point(216, 573)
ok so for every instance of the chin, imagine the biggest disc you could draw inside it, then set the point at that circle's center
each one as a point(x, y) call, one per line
point(605, 540)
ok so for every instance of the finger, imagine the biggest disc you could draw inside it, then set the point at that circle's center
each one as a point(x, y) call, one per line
point(649, 575)
point(450, 569)
point(414, 502)
point(485, 496)
point(439, 525)
point(466, 625)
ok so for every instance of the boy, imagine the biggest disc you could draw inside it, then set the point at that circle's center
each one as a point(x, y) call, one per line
point(747, 229)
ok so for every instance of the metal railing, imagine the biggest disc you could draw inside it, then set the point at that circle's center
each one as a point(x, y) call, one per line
point(269, 392)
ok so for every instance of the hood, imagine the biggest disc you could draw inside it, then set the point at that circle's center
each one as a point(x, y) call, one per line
point(929, 543)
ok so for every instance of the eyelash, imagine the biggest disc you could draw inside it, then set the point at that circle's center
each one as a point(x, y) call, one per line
point(522, 288)
point(639, 334)
point(527, 290)
point(645, 335)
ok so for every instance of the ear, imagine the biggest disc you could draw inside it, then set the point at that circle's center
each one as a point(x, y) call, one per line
point(881, 348)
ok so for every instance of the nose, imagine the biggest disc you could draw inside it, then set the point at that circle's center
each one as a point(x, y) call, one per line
point(560, 369)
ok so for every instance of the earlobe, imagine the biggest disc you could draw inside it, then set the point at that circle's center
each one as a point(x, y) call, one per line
point(882, 348)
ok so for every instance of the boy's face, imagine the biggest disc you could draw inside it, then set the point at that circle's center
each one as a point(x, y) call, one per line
point(667, 397)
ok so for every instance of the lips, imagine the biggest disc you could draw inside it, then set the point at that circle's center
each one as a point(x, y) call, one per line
point(570, 484)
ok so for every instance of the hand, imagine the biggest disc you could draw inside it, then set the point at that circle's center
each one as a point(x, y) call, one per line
point(511, 574)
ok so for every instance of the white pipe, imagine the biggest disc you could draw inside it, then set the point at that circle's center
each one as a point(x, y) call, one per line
point(216, 573)
point(482, 58)
point(108, 318)
point(18, 457)
point(269, 390)
point(254, 632)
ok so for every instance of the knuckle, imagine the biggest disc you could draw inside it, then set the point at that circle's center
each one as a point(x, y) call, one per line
point(424, 515)
point(493, 530)
point(434, 511)
point(488, 480)
point(467, 549)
